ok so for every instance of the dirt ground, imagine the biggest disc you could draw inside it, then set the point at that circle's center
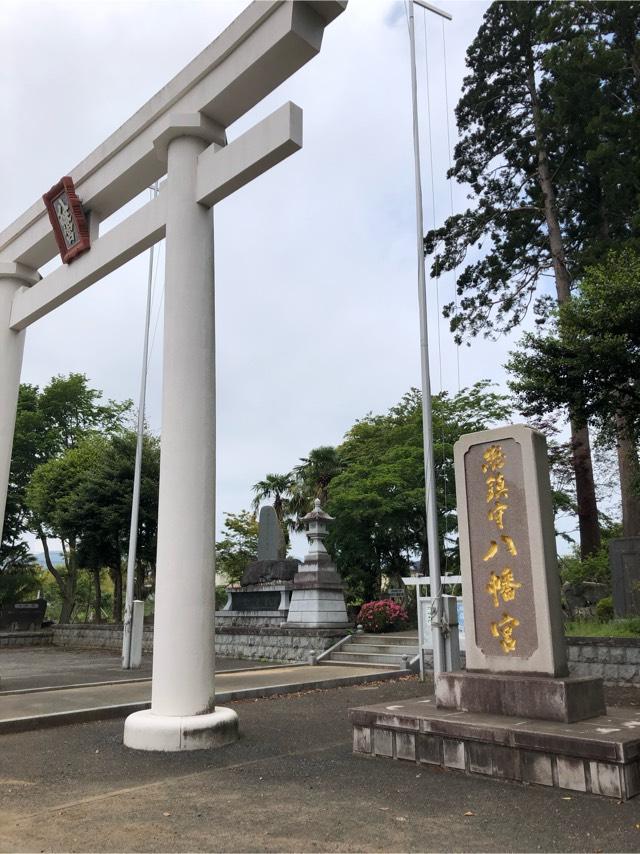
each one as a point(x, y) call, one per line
point(290, 784)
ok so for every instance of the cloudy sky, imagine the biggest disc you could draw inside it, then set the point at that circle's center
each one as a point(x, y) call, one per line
point(316, 288)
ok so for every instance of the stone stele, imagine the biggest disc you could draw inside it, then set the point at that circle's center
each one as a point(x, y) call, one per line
point(271, 544)
point(511, 587)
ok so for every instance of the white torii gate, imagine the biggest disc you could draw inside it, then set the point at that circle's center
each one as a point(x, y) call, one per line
point(181, 131)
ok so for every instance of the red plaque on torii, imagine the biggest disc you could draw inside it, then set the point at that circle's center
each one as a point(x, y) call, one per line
point(68, 219)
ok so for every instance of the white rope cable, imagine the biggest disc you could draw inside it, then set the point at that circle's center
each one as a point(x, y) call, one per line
point(159, 311)
point(433, 193)
point(450, 182)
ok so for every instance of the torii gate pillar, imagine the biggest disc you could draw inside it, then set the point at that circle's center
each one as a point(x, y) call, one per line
point(183, 715)
point(13, 276)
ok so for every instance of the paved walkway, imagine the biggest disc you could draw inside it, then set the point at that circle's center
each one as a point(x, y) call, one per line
point(34, 709)
point(24, 668)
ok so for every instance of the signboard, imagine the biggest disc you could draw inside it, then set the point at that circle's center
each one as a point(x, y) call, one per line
point(427, 641)
point(511, 589)
point(70, 226)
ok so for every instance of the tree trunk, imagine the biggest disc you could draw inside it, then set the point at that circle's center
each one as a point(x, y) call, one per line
point(588, 522)
point(98, 596)
point(581, 447)
point(66, 584)
point(629, 469)
point(116, 577)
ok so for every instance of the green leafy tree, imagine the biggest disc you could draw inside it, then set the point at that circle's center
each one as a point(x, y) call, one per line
point(83, 498)
point(18, 574)
point(589, 361)
point(48, 423)
point(378, 498)
point(52, 500)
point(238, 546)
point(104, 512)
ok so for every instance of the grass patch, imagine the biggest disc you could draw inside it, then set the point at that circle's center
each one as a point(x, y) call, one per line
point(623, 628)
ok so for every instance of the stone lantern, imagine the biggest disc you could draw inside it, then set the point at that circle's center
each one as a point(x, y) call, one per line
point(317, 600)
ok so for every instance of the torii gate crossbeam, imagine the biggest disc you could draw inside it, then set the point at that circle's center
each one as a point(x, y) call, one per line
point(181, 131)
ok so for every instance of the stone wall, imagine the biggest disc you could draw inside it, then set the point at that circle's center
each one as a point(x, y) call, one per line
point(274, 644)
point(265, 642)
point(96, 636)
point(616, 660)
point(41, 638)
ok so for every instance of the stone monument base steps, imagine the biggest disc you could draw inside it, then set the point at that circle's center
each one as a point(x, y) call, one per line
point(601, 755)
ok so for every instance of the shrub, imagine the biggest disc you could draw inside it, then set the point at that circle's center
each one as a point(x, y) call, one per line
point(382, 616)
point(221, 597)
point(604, 609)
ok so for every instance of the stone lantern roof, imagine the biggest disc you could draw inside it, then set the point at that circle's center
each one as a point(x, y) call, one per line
point(317, 514)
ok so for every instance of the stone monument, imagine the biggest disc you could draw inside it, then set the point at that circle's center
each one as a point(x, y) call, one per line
point(264, 593)
point(624, 560)
point(515, 713)
point(515, 647)
point(318, 594)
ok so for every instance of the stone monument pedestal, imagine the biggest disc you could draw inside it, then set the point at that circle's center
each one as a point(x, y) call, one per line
point(550, 698)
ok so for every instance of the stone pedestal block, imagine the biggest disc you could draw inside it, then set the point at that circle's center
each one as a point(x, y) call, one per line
point(318, 601)
point(569, 699)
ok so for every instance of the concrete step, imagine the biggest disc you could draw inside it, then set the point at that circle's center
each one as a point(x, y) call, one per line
point(384, 648)
point(367, 658)
point(368, 665)
point(393, 640)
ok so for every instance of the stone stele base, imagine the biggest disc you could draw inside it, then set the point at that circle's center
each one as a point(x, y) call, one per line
point(601, 755)
point(567, 699)
point(145, 730)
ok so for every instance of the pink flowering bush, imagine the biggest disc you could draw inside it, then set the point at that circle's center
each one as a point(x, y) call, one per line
point(382, 616)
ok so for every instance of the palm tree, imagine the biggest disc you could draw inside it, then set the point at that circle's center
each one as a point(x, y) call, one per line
point(316, 472)
point(279, 486)
point(312, 478)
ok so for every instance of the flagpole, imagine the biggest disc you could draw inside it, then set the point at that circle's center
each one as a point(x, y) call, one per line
point(137, 475)
point(433, 548)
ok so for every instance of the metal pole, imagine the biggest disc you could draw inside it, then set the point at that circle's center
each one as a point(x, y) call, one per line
point(427, 426)
point(135, 504)
point(420, 631)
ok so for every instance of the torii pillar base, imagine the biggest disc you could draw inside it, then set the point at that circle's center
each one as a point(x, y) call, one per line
point(146, 730)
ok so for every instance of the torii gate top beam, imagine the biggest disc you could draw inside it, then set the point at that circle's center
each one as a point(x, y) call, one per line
point(263, 46)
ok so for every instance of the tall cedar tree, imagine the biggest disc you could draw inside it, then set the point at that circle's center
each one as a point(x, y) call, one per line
point(590, 361)
point(509, 154)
